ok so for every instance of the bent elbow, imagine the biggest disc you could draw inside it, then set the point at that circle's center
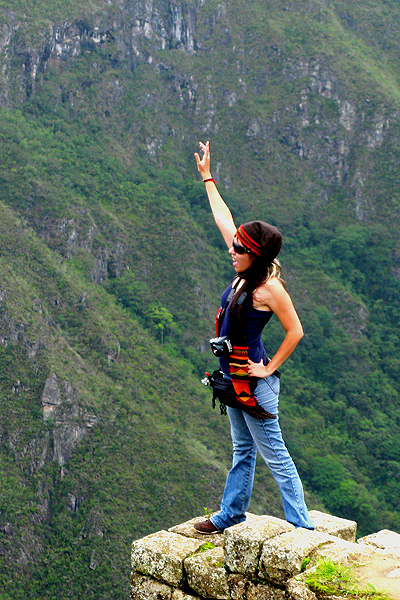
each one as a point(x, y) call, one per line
point(296, 336)
point(299, 334)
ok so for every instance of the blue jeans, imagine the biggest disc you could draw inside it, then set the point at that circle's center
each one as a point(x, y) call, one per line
point(248, 434)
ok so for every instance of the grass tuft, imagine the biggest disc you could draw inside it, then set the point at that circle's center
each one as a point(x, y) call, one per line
point(331, 578)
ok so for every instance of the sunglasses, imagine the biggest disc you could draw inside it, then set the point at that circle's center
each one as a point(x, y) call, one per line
point(240, 249)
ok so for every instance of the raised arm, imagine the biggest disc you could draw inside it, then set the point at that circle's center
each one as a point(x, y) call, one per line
point(222, 214)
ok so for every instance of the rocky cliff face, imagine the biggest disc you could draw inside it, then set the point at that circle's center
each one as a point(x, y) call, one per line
point(137, 31)
point(333, 131)
point(104, 106)
point(325, 125)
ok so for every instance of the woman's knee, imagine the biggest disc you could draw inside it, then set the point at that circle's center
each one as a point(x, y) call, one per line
point(244, 447)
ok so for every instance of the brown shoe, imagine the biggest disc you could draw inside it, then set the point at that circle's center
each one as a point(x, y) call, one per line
point(206, 527)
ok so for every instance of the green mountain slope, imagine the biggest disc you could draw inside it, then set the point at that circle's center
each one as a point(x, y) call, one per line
point(111, 267)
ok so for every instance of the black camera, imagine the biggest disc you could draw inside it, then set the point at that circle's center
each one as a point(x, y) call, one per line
point(221, 346)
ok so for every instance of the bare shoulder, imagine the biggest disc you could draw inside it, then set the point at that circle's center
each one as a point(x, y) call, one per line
point(267, 295)
point(272, 287)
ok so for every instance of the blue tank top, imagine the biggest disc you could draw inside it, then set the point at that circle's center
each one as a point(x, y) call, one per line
point(254, 322)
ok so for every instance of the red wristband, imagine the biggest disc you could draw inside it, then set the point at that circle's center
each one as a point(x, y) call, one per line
point(210, 179)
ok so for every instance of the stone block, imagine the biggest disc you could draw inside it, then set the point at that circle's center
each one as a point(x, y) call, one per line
point(188, 530)
point(146, 588)
point(296, 589)
point(342, 528)
point(342, 551)
point(263, 559)
point(385, 541)
point(161, 555)
point(206, 574)
point(243, 542)
point(382, 572)
point(282, 556)
point(243, 589)
point(180, 595)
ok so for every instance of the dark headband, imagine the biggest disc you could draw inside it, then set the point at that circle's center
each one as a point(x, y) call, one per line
point(248, 242)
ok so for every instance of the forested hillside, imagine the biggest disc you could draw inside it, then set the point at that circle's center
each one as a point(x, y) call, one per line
point(111, 266)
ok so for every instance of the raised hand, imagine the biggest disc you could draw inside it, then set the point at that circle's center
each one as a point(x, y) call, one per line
point(203, 163)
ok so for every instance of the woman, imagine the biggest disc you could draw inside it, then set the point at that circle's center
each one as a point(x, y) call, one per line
point(255, 294)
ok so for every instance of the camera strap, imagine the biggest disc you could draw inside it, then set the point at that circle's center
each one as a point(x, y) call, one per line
point(221, 313)
point(241, 385)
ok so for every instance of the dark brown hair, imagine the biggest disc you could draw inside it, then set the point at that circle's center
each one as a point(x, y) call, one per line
point(265, 242)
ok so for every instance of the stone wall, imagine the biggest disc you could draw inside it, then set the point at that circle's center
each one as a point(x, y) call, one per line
point(264, 558)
